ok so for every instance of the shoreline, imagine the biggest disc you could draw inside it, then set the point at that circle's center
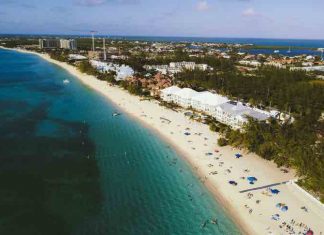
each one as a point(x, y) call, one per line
point(227, 196)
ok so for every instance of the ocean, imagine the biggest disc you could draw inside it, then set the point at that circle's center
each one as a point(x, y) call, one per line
point(67, 166)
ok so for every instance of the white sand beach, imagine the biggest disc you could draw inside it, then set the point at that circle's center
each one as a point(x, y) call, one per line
point(252, 210)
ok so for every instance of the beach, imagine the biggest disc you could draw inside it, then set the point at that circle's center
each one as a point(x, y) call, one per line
point(251, 210)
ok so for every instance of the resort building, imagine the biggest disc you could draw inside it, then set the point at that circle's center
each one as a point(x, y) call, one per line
point(184, 96)
point(177, 67)
point(167, 93)
point(69, 44)
point(234, 114)
point(207, 102)
point(49, 43)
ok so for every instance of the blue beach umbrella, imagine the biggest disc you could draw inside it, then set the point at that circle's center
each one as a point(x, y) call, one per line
point(251, 178)
point(238, 155)
point(284, 208)
point(276, 217)
point(274, 191)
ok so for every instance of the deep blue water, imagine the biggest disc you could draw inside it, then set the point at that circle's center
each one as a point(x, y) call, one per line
point(309, 43)
point(67, 166)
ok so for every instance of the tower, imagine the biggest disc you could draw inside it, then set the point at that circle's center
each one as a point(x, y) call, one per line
point(92, 35)
point(104, 49)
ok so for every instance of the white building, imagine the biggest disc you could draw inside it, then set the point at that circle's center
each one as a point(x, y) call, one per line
point(69, 44)
point(177, 67)
point(167, 94)
point(184, 96)
point(76, 57)
point(254, 63)
point(234, 114)
point(207, 102)
point(122, 71)
point(274, 64)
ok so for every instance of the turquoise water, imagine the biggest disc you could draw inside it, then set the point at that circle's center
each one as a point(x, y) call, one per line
point(67, 166)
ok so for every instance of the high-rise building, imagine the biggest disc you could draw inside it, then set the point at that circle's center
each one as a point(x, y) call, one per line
point(49, 43)
point(69, 44)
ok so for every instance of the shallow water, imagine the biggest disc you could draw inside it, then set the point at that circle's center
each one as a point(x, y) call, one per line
point(67, 166)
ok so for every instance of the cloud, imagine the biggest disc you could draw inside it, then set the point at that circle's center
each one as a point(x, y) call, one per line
point(202, 6)
point(249, 12)
point(94, 3)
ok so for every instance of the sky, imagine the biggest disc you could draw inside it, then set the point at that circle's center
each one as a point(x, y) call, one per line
point(191, 18)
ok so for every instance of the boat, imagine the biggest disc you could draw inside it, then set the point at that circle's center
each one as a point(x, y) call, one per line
point(276, 51)
point(289, 50)
point(116, 114)
point(66, 81)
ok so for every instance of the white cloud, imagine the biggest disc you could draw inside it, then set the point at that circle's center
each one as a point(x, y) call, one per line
point(202, 6)
point(249, 12)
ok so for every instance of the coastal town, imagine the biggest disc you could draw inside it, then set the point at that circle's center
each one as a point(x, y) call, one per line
point(112, 57)
point(170, 87)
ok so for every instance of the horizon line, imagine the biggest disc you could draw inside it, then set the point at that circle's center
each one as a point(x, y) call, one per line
point(159, 36)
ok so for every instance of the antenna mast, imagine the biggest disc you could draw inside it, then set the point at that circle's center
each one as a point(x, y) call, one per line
point(104, 49)
point(92, 35)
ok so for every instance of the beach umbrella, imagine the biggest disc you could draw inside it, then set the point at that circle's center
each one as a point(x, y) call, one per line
point(310, 232)
point(284, 208)
point(187, 133)
point(274, 191)
point(238, 155)
point(276, 217)
point(251, 178)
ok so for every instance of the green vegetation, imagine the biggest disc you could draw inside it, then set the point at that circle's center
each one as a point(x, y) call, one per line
point(17, 41)
point(135, 89)
point(85, 67)
point(222, 142)
point(299, 144)
point(60, 55)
